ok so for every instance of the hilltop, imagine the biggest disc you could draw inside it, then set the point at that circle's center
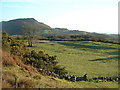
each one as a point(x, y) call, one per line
point(14, 27)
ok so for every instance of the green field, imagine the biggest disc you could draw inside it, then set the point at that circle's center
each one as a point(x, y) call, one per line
point(80, 57)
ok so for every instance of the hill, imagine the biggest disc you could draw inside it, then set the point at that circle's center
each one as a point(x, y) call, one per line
point(14, 27)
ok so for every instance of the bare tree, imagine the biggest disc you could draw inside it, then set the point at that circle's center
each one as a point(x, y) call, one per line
point(30, 32)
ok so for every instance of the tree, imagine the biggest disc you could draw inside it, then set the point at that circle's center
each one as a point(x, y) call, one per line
point(30, 32)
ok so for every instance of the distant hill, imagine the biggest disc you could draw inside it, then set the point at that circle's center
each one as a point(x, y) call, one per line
point(14, 27)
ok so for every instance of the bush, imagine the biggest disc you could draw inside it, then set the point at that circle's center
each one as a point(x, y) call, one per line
point(12, 46)
point(60, 70)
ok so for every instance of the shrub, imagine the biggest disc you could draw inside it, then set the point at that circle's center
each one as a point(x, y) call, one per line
point(60, 70)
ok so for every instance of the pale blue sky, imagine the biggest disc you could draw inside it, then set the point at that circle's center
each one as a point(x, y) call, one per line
point(87, 15)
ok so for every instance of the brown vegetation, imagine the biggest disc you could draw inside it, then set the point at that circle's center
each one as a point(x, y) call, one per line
point(10, 79)
point(7, 60)
point(14, 61)
point(26, 83)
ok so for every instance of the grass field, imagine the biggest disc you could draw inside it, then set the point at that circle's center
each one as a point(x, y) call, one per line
point(80, 57)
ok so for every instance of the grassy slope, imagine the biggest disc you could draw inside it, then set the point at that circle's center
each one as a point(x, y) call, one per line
point(13, 67)
point(51, 82)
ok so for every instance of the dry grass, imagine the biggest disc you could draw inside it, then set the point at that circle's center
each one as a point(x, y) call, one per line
point(26, 83)
point(8, 79)
point(5, 84)
point(11, 78)
point(8, 60)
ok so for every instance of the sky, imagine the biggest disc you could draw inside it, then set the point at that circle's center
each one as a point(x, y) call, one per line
point(85, 15)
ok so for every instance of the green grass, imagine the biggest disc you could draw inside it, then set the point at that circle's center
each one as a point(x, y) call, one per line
point(51, 82)
point(80, 57)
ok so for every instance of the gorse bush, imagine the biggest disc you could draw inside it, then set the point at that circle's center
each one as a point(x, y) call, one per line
point(44, 61)
point(60, 70)
point(12, 46)
point(39, 60)
point(6, 40)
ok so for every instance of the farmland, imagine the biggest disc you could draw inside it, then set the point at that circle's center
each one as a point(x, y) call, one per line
point(80, 57)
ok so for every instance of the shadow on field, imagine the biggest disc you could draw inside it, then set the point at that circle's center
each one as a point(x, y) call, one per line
point(41, 42)
point(113, 53)
point(101, 59)
point(80, 46)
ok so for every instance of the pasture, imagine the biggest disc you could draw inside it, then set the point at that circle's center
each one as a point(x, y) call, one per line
point(80, 57)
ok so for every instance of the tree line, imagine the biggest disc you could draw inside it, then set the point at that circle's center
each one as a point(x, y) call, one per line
point(95, 38)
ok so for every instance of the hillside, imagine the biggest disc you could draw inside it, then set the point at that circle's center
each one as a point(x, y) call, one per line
point(14, 27)
point(62, 31)
point(18, 75)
